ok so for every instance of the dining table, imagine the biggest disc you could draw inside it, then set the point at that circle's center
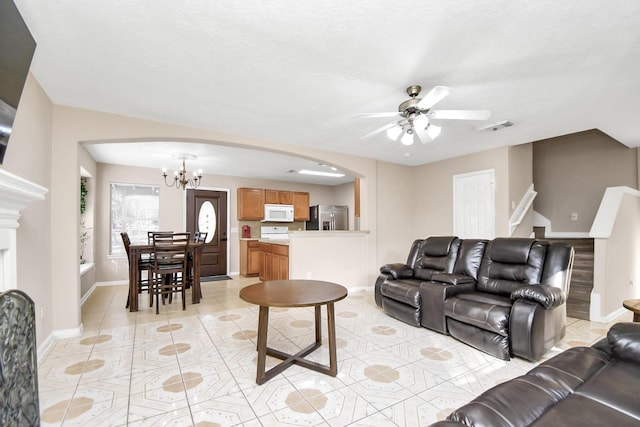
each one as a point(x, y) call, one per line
point(137, 251)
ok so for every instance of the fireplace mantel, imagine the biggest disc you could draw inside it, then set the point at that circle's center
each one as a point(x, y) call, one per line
point(15, 194)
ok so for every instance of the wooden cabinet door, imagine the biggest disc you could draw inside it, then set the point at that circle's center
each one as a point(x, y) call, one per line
point(271, 197)
point(300, 206)
point(280, 262)
point(250, 204)
point(253, 262)
point(285, 197)
point(266, 261)
point(249, 258)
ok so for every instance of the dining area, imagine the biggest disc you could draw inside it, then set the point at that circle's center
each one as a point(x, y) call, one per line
point(167, 264)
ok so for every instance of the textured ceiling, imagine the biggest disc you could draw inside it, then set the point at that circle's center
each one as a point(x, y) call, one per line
point(296, 71)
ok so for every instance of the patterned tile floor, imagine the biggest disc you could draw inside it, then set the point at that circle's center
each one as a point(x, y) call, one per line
point(197, 367)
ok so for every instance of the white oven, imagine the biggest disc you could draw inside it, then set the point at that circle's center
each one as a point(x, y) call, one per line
point(278, 213)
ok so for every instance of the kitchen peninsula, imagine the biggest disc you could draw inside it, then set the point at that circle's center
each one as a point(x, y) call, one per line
point(338, 256)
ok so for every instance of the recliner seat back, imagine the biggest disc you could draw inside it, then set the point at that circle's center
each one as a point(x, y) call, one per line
point(436, 255)
point(509, 263)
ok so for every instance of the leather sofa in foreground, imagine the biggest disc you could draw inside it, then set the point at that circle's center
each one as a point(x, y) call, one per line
point(505, 296)
point(582, 386)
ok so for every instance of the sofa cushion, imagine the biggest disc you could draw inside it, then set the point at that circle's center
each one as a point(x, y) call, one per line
point(485, 311)
point(439, 246)
point(404, 291)
point(510, 263)
point(397, 270)
point(518, 402)
point(624, 339)
point(611, 387)
point(571, 368)
point(470, 257)
point(437, 255)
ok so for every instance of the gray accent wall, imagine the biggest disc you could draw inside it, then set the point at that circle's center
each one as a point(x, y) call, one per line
point(571, 173)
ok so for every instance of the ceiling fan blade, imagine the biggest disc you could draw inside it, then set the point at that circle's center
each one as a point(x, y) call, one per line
point(374, 115)
point(460, 114)
point(434, 96)
point(380, 130)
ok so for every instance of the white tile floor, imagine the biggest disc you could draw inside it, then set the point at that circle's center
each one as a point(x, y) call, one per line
point(197, 367)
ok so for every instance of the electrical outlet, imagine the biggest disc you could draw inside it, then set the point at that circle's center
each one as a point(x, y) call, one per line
point(574, 216)
point(631, 283)
point(309, 275)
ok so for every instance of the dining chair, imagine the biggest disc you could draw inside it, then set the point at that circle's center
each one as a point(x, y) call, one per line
point(150, 235)
point(170, 270)
point(143, 264)
point(198, 237)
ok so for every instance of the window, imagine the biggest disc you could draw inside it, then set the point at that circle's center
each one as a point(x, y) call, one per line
point(134, 209)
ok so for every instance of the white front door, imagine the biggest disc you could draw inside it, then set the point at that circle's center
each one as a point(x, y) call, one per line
point(474, 205)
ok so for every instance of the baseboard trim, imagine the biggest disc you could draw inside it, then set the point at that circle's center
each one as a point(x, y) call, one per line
point(46, 345)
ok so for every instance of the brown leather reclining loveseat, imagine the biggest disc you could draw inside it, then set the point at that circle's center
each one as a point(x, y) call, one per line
point(505, 296)
point(582, 386)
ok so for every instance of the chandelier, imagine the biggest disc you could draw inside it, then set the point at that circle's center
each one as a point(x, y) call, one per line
point(181, 178)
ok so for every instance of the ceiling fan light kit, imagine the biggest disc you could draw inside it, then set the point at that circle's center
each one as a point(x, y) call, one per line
point(415, 113)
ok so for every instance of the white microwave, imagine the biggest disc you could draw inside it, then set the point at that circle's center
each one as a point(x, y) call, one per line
point(278, 213)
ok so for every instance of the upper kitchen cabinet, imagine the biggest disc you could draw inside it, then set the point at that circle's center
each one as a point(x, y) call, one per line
point(300, 206)
point(251, 204)
point(278, 197)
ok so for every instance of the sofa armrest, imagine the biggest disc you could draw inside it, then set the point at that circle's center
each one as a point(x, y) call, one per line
point(545, 295)
point(624, 339)
point(397, 270)
point(452, 279)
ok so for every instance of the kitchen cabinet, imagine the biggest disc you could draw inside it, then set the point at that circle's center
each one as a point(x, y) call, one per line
point(300, 206)
point(274, 262)
point(249, 258)
point(278, 197)
point(250, 204)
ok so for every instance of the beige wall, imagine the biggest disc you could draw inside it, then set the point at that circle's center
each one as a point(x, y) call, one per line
point(29, 156)
point(397, 215)
point(571, 173)
point(434, 183)
point(616, 269)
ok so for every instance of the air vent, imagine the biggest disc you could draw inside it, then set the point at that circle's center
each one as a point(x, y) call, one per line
point(497, 126)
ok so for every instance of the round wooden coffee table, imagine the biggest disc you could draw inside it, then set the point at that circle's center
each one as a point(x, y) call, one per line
point(294, 293)
point(634, 306)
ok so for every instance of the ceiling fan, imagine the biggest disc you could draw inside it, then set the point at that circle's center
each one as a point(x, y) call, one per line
point(415, 113)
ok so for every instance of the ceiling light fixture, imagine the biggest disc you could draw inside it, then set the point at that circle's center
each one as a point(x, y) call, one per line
point(407, 138)
point(416, 125)
point(394, 132)
point(321, 173)
point(180, 179)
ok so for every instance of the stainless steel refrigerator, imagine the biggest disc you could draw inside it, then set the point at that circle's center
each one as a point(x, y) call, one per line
point(328, 217)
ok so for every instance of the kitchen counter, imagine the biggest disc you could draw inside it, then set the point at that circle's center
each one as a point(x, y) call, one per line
point(275, 241)
point(326, 233)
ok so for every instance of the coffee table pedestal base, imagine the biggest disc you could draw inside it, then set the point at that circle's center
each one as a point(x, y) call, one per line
point(298, 359)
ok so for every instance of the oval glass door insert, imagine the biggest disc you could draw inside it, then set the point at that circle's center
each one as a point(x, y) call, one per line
point(207, 220)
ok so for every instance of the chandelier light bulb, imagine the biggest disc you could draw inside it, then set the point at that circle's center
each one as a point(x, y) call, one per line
point(407, 139)
point(394, 132)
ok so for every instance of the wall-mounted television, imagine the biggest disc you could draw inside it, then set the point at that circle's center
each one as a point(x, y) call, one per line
point(16, 51)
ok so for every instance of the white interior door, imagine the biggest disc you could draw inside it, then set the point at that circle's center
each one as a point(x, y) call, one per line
point(474, 205)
